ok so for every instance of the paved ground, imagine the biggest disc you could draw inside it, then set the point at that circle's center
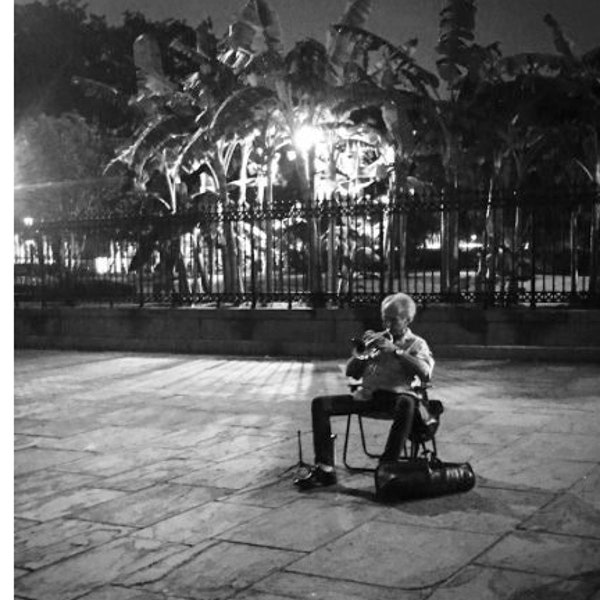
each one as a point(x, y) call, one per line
point(167, 476)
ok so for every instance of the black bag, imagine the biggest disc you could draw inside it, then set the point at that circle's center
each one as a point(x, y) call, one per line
point(421, 478)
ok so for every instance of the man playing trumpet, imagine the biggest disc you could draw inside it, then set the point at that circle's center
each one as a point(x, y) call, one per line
point(388, 362)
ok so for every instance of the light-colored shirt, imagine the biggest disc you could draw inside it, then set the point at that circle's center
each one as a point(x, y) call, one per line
point(386, 371)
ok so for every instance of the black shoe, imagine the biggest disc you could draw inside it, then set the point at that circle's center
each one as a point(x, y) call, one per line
point(315, 477)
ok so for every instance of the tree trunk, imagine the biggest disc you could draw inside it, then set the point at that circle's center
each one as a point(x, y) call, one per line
point(231, 276)
point(398, 234)
point(306, 172)
point(449, 275)
point(269, 250)
point(594, 285)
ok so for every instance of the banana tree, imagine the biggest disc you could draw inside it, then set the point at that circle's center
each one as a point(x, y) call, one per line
point(179, 130)
point(383, 79)
point(552, 117)
point(457, 68)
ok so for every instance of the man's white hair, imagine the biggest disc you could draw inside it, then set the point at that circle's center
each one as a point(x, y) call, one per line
point(400, 303)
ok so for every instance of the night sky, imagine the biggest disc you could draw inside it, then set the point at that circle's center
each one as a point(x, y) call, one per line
point(517, 24)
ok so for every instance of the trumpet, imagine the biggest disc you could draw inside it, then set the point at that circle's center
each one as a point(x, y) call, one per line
point(365, 347)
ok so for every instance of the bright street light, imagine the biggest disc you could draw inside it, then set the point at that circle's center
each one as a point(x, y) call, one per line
point(306, 137)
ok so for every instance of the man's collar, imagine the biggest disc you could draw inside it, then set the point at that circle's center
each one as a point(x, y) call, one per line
point(407, 333)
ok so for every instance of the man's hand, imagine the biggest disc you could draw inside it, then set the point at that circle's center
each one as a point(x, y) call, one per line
point(383, 344)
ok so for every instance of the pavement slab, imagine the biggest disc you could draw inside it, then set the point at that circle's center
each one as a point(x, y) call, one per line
point(81, 573)
point(28, 460)
point(168, 477)
point(482, 510)
point(63, 504)
point(238, 472)
point(568, 514)
point(149, 474)
point(150, 505)
point(269, 495)
point(104, 438)
point(395, 555)
point(483, 583)
point(299, 585)
point(573, 447)
point(533, 471)
point(55, 540)
point(117, 461)
point(544, 553)
point(47, 482)
point(116, 592)
point(221, 570)
point(303, 525)
point(202, 523)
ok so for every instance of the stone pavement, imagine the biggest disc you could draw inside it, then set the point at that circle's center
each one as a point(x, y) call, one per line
point(146, 476)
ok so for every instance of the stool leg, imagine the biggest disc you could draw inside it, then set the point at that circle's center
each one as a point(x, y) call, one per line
point(364, 440)
point(345, 453)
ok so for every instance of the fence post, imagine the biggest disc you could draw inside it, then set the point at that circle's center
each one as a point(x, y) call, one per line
point(42, 262)
point(331, 252)
point(253, 262)
point(594, 284)
point(533, 246)
point(140, 271)
point(382, 251)
point(574, 252)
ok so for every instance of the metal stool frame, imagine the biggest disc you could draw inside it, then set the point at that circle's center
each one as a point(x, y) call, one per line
point(418, 441)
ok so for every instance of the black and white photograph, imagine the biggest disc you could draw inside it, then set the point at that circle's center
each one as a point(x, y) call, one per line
point(306, 300)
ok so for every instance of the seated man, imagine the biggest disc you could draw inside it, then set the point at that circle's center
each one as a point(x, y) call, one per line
point(391, 361)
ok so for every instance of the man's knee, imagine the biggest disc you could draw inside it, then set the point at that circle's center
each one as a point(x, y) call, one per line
point(318, 404)
point(405, 405)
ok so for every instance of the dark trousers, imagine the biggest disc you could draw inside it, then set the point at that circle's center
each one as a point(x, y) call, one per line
point(401, 406)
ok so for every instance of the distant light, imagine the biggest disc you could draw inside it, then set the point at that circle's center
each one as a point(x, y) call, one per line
point(411, 191)
point(102, 264)
point(473, 237)
point(291, 155)
point(306, 137)
point(28, 221)
point(389, 154)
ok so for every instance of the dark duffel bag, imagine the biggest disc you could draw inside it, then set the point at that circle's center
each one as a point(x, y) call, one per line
point(421, 478)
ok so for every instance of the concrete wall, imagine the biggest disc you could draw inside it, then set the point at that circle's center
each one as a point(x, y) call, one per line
point(452, 331)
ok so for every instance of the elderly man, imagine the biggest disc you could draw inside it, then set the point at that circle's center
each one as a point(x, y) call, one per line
point(388, 363)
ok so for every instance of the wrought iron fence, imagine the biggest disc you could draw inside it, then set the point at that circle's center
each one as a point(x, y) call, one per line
point(509, 249)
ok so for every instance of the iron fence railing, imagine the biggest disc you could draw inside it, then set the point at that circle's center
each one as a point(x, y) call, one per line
point(511, 249)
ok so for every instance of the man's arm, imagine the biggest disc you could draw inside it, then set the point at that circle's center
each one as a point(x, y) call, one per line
point(416, 360)
point(416, 364)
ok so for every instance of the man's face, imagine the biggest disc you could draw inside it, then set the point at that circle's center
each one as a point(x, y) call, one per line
point(396, 321)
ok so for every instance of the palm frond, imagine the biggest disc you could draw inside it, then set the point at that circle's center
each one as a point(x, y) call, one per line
point(271, 26)
point(356, 96)
point(101, 91)
point(457, 25)
point(339, 46)
point(562, 44)
point(308, 67)
point(400, 55)
point(242, 31)
point(526, 63)
point(148, 63)
point(194, 56)
point(240, 110)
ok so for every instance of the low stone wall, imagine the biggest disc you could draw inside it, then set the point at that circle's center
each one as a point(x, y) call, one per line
point(452, 331)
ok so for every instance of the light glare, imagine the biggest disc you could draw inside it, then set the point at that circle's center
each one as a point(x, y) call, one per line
point(306, 137)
